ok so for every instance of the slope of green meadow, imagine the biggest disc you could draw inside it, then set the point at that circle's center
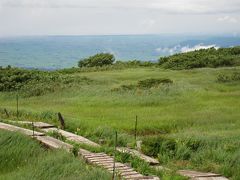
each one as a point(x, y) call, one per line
point(192, 123)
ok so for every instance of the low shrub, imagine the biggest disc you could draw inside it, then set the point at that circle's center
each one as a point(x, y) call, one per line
point(148, 83)
point(144, 84)
point(224, 78)
point(36, 83)
point(203, 58)
point(101, 59)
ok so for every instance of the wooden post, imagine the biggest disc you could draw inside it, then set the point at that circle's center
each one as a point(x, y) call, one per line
point(33, 128)
point(6, 112)
point(17, 106)
point(115, 149)
point(60, 118)
point(135, 132)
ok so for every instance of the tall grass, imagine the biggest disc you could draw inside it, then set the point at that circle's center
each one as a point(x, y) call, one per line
point(23, 158)
point(195, 105)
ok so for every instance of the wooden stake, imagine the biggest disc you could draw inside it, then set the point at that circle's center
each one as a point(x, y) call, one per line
point(17, 106)
point(33, 127)
point(6, 112)
point(135, 133)
point(60, 118)
point(115, 149)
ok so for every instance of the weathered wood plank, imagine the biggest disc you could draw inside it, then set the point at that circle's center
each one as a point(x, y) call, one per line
point(140, 155)
point(195, 175)
point(54, 143)
point(72, 137)
point(42, 125)
point(19, 129)
point(36, 124)
point(210, 178)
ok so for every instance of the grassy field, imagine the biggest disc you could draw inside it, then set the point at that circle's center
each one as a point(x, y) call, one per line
point(199, 115)
point(23, 158)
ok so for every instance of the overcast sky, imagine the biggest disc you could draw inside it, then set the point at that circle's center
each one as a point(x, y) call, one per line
point(88, 17)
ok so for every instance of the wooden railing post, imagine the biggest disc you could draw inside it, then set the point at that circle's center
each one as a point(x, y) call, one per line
point(17, 105)
point(115, 149)
point(135, 130)
point(62, 123)
point(6, 112)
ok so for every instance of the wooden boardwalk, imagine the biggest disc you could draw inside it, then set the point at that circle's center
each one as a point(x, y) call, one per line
point(101, 159)
point(98, 159)
point(107, 162)
point(50, 128)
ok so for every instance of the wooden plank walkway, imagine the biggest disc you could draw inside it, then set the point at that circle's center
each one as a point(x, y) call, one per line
point(138, 154)
point(99, 159)
point(195, 175)
point(102, 159)
point(107, 162)
point(50, 128)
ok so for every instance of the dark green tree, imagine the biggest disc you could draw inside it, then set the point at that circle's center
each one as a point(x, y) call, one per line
point(101, 59)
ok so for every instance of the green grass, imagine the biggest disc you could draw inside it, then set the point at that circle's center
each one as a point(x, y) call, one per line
point(196, 106)
point(23, 158)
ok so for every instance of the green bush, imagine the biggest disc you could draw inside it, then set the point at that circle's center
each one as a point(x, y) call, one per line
point(202, 58)
point(101, 59)
point(148, 83)
point(135, 63)
point(224, 78)
point(144, 84)
point(36, 83)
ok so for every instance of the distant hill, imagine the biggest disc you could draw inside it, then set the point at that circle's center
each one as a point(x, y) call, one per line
point(203, 58)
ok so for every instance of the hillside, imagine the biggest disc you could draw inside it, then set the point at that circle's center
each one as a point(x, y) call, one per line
point(212, 57)
point(187, 118)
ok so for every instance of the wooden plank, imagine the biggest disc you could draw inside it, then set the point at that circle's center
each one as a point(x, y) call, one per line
point(140, 155)
point(95, 156)
point(98, 157)
point(120, 169)
point(101, 159)
point(54, 143)
point(19, 129)
point(80, 139)
point(133, 176)
point(73, 137)
point(129, 173)
point(101, 162)
point(194, 174)
point(42, 125)
point(36, 124)
point(142, 178)
point(209, 178)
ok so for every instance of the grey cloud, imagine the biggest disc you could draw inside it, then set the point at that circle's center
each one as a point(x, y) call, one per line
point(164, 6)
